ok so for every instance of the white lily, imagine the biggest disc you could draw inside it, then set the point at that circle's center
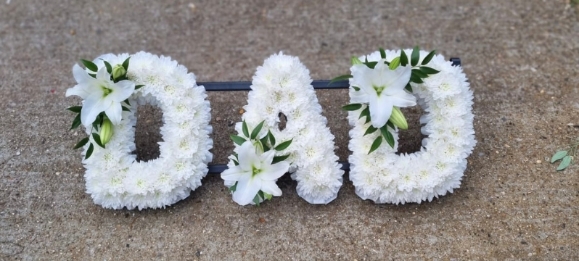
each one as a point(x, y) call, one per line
point(382, 89)
point(254, 173)
point(100, 94)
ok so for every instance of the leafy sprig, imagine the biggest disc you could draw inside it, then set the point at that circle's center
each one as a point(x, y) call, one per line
point(419, 72)
point(118, 73)
point(566, 156)
point(267, 143)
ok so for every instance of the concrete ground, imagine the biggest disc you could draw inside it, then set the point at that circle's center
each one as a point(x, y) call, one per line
point(522, 57)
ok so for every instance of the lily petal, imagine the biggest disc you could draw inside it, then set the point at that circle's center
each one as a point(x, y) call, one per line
point(123, 90)
point(103, 75)
point(80, 75)
point(246, 190)
point(233, 174)
point(270, 187)
point(402, 99)
point(275, 171)
point(380, 110)
point(397, 79)
point(115, 112)
point(246, 156)
point(81, 90)
point(92, 106)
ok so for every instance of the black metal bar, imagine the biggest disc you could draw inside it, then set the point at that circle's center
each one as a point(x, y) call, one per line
point(246, 86)
point(455, 61)
point(218, 168)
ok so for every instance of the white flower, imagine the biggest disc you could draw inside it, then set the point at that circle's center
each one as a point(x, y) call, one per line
point(283, 85)
point(382, 88)
point(386, 176)
point(99, 94)
point(115, 179)
point(254, 173)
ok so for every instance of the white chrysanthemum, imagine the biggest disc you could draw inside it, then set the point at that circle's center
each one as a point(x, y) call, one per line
point(385, 177)
point(113, 176)
point(283, 85)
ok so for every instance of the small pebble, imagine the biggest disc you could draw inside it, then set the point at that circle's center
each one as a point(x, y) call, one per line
point(18, 153)
point(539, 161)
point(241, 111)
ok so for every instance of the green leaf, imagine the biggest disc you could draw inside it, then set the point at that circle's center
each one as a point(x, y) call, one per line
point(564, 163)
point(76, 109)
point(419, 73)
point(387, 135)
point(244, 129)
point(428, 70)
point(415, 56)
point(370, 130)
point(81, 143)
point(89, 151)
point(125, 108)
point(75, 122)
point(277, 159)
point(238, 140)
point(415, 79)
point(403, 58)
point(97, 139)
point(271, 138)
point(341, 78)
point(235, 162)
point(390, 124)
point(233, 188)
point(127, 102)
point(352, 107)
point(126, 64)
point(109, 67)
point(139, 86)
point(382, 53)
point(284, 145)
point(263, 142)
point(90, 65)
point(371, 65)
point(408, 87)
point(356, 88)
point(559, 155)
point(92, 75)
point(394, 63)
point(257, 130)
point(375, 144)
point(365, 112)
point(257, 199)
point(428, 57)
point(355, 60)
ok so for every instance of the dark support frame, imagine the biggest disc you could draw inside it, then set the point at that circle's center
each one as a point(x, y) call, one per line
point(246, 86)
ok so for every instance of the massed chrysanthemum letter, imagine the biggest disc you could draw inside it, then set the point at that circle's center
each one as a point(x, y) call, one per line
point(283, 85)
point(112, 87)
point(442, 90)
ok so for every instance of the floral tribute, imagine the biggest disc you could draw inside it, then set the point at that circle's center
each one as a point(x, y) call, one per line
point(112, 87)
point(263, 152)
point(379, 86)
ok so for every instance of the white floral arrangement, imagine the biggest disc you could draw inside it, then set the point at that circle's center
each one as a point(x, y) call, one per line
point(379, 86)
point(112, 91)
point(263, 152)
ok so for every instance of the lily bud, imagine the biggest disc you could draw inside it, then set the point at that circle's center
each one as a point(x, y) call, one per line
point(398, 119)
point(119, 71)
point(355, 60)
point(106, 132)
